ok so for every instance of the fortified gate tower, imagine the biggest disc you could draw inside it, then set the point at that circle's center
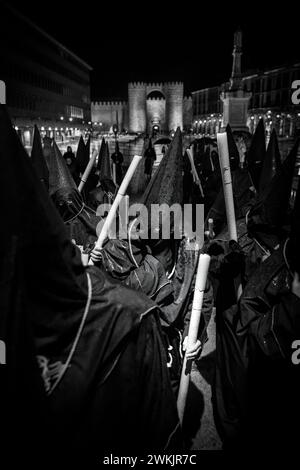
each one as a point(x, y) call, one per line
point(155, 104)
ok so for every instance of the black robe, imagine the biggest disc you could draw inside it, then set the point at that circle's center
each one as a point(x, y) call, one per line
point(257, 386)
point(115, 394)
point(133, 265)
point(86, 370)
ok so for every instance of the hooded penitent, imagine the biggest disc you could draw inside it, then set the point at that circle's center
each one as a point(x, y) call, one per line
point(257, 153)
point(255, 337)
point(269, 216)
point(166, 185)
point(62, 187)
point(82, 156)
point(70, 159)
point(150, 157)
point(88, 148)
point(38, 159)
point(101, 153)
point(99, 350)
point(40, 283)
point(165, 188)
point(105, 190)
point(243, 198)
point(47, 147)
point(271, 163)
point(234, 156)
point(117, 158)
point(293, 246)
point(105, 164)
point(81, 221)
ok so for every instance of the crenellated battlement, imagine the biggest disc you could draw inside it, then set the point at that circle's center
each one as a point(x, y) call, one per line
point(136, 85)
point(161, 98)
point(109, 103)
point(173, 84)
point(155, 85)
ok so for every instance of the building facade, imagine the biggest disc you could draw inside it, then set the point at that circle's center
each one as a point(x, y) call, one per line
point(270, 99)
point(248, 97)
point(46, 84)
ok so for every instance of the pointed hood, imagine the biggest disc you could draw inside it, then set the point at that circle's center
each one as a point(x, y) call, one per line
point(257, 153)
point(88, 148)
point(82, 158)
point(234, 156)
point(242, 195)
point(166, 184)
point(59, 174)
point(38, 159)
point(62, 187)
point(54, 280)
point(166, 187)
point(101, 152)
point(105, 167)
point(271, 163)
point(140, 177)
point(47, 148)
point(268, 216)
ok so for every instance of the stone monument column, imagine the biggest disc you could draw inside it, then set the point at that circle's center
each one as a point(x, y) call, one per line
point(235, 100)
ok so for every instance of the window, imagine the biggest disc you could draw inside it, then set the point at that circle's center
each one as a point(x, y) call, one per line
point(75, 112)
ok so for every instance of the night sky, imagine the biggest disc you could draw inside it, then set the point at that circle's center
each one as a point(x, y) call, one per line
point(150, 44)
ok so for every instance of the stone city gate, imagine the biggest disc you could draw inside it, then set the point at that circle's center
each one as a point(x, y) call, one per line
point(158, 105)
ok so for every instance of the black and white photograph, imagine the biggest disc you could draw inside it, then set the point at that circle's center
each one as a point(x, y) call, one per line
point(149, 234)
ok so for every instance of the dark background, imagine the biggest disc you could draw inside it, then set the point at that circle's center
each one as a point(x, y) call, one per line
point(123, 42)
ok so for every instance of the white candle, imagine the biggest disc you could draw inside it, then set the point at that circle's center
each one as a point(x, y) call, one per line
point(202, 271)
point(121, 193)
point(227, 184)
point(87, 171)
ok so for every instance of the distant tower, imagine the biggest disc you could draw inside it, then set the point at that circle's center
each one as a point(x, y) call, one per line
point(2, 92)
point(236, 74)
point(137, 107)
point(145, 111)
point(235, 99)
point(174, 104)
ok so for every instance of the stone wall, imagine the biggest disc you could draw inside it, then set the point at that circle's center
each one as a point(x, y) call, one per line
point(107, 112)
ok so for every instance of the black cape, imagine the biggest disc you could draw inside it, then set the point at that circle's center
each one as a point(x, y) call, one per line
point(257, 386)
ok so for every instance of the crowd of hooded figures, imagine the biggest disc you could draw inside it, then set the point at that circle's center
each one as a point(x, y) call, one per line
point(95, 351)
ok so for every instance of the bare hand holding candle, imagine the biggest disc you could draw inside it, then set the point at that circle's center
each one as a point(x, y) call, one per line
point(113, 210)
